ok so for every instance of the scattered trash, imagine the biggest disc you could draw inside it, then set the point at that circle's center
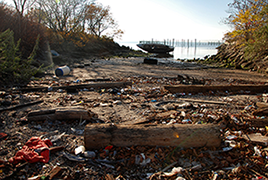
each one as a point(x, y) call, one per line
point(35, 150)
point(62, 71)
point(73, 157)
point(54, 53)
point(79, 150)
point(77, 131)
point(175, 170)
point(56, 137)
point(2, 135)
point(69, 106)
point(89, 154)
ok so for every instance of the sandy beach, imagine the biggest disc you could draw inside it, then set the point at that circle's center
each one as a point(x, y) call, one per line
point(144, 100)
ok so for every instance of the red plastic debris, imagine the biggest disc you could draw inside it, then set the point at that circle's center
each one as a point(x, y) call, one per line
point(35, 150)
point(109, 147)
point(3, 135)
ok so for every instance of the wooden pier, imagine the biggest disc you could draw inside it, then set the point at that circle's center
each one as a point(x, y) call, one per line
point(184, 42)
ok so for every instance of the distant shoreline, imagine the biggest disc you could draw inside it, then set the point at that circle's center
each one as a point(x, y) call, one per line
point(182, 52)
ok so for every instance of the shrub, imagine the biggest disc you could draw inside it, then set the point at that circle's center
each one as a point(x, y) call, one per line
point(14, 70)
point(25, 29)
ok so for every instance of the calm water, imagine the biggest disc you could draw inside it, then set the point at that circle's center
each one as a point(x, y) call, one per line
point(183, 52)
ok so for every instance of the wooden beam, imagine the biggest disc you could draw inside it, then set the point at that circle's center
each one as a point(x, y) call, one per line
point(80, 86)
point(258, 122)
point(64, 113)
point(203, 88)
point(98, 136)
point(262, 109)
point(21, 105)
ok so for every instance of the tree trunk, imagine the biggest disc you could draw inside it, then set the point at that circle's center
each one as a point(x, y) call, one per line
point(98, 136)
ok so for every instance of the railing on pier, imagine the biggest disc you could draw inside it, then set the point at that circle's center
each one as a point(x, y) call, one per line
point(184, 43)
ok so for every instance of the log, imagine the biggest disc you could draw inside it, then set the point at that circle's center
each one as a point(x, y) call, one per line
point(41, 112)
point(202, 89)
point(97, 80)
point(258, 122)
point(262, 105)
point(203, 101)
point(80, 86)
point(21, 105)
point(73, 114)
point(256, 138)
point(42, 117)
point(142, 120)
point(261, 112)
point(63, 113)
point(262, 109)
point(98, 136)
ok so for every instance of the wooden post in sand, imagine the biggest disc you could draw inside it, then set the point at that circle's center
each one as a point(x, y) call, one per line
point(98, 136)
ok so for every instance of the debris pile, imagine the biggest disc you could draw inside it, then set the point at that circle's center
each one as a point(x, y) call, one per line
point(142, 129)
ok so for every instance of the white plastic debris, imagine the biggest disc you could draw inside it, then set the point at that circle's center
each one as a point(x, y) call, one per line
point(79, 150)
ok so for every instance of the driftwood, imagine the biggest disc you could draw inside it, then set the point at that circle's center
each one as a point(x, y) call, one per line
point(79, 86)
point(262, 109)
point(97, 80)
point(182, 135)
point(70, 114)
point(21, 105)
point(203, 101)
point(66, 113)
point(256, 138)
point(141, 120)
point(203, 89)
point(262, 105)
point(258, 122)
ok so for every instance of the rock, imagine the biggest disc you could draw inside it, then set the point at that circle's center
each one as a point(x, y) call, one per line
point(150, 61)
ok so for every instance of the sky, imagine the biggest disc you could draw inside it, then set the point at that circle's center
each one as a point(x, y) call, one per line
point(169, 19)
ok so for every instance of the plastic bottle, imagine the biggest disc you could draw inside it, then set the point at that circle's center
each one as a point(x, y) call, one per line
point(89, 154)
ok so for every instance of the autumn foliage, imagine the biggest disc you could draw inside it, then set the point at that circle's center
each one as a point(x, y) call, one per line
point(250, 26)
point(247, 19)
point(246, 44)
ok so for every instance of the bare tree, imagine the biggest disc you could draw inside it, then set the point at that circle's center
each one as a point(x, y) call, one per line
point(100, 20)
point(23, 5)
point(64, 15)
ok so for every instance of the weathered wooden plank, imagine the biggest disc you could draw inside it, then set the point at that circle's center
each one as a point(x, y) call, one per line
point(258, 122)
point(21, 105)
point(42, 112)
point(262, 109)
point(43, 117)
point(62, 113)
point(256, 138)
point(80, 86)
point(98, 136)
point(72, 114)
point(203, 88)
